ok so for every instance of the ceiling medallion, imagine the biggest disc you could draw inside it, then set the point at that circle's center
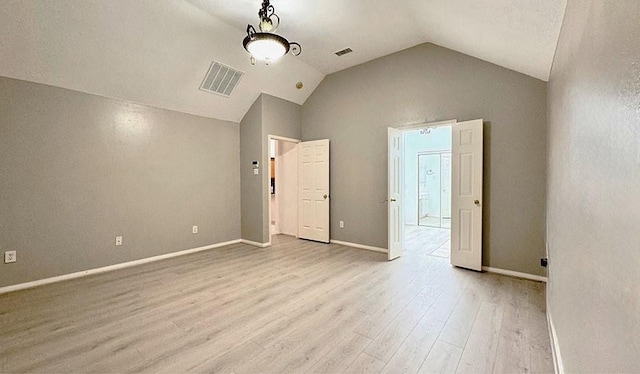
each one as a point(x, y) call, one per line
point(265, 45)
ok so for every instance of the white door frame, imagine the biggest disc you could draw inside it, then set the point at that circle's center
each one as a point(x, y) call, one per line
point(267, 165)
point(406, 128)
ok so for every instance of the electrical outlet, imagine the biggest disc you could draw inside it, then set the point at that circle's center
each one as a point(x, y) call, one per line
point(342, 224)
point(9, 257)
point(194, 229)
point(118, 240)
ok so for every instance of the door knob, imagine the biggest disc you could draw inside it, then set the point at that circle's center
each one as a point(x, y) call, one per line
point(325, 196)
point(477, 202)
point(392, 200)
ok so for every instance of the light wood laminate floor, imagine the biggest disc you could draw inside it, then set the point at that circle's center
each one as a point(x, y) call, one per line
point(297, 307)
point(433, 241)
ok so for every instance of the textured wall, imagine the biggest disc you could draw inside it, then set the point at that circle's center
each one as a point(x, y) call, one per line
point(354, 107)
point(593, 184)
point(268, 115)
point(251, 189)
point(282, 118)
point(76, 170)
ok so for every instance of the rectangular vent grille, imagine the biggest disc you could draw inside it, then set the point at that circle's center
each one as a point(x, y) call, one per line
point(344, 52)
point(221, 79)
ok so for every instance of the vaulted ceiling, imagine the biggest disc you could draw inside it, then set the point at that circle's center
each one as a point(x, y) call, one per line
point(157, 52)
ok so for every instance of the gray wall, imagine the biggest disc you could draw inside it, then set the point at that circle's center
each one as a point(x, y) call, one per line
point(593, 185)
point(251, 193)
point(77, 169)
point(283, 118)
point(354, 107)
point(268, 115)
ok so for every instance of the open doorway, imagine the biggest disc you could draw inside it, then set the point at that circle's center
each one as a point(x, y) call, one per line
point(464, 212)
point(283, 186)
point(427, 190)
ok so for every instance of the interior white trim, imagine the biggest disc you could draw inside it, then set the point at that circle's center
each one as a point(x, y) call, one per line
point(360, 246)
point(415, 126)
point(517, 274)
point(555, 347)
point(283, 138)
point(433, 152)
point(256, 244)
point(84, 273)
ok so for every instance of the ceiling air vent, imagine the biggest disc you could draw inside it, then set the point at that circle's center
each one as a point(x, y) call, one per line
point(344, 52)
point(221, 79)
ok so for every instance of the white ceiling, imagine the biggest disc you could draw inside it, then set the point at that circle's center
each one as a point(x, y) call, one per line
point(156, 52)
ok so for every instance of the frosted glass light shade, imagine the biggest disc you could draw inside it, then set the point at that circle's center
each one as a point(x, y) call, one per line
point(266, 46)
point(266, 49)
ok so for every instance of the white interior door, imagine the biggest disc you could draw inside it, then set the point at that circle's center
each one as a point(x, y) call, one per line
point(466, 195)
point(395, 224)
point(313, 195)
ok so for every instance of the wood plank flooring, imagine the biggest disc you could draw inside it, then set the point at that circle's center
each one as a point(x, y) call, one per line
point(297, 307)
point(430, 240)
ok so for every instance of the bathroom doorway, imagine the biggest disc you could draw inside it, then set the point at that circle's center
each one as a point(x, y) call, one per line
point(427, 204)
point(434, 189)
point(452, 227)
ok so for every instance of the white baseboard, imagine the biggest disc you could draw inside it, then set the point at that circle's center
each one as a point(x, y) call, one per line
point(84, 273)
point(516, 274)
point(555, 347)
point(361, 246)
point(256, 244)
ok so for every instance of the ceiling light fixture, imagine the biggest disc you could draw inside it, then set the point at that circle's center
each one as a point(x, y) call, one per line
point(265, 45)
